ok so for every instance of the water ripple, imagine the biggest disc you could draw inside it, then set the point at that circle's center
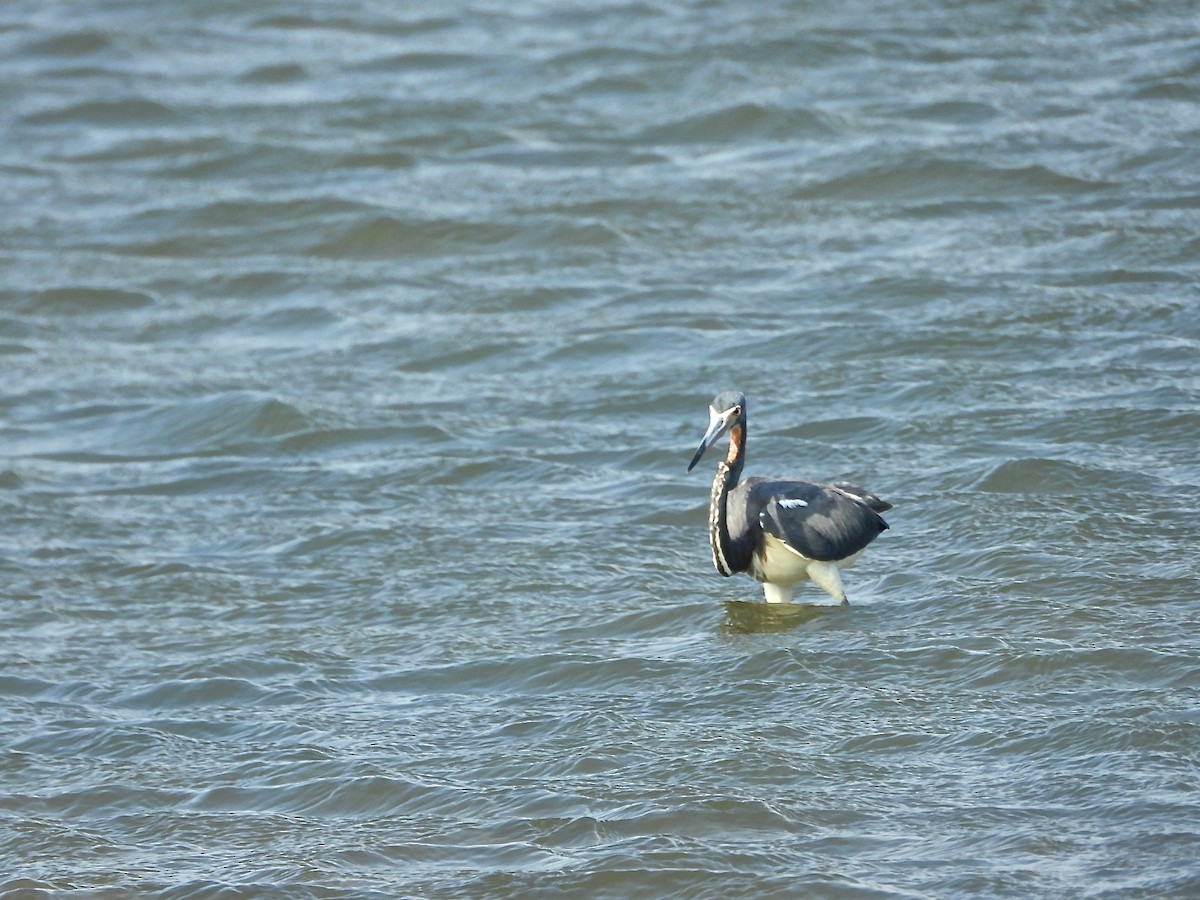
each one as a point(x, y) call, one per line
point(353, 358)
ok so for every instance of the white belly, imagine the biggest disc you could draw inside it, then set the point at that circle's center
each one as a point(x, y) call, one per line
point(781, 568)
point(778, 564)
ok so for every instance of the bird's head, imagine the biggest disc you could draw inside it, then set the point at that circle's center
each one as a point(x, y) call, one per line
point(726, 413)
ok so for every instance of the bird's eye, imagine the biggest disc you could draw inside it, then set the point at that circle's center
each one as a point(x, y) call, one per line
point(736, 411)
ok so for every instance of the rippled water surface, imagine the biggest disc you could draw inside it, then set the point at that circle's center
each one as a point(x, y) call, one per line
point(353, 354)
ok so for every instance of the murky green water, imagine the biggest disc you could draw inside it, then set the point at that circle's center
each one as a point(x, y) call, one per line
point(352, 357)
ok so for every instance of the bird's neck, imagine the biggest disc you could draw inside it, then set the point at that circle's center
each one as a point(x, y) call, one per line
point(736, 457)
point(729, 471)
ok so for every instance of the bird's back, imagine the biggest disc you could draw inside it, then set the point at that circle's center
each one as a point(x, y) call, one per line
point(826, 522)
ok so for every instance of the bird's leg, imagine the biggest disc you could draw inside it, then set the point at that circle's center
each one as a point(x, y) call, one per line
point(827, 577)
point(776, 593)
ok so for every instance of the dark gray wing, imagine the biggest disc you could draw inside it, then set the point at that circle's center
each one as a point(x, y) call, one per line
point(822, 522)
point(862, 494)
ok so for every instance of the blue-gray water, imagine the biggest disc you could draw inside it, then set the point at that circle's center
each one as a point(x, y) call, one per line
point(352, 355)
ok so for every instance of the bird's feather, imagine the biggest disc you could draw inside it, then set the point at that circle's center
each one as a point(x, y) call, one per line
point(819, 522)
point(862, 494)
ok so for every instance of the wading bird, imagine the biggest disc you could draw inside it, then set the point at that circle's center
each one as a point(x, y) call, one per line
point(782, 532)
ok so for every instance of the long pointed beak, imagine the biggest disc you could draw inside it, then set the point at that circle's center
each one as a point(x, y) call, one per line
point(717, 426)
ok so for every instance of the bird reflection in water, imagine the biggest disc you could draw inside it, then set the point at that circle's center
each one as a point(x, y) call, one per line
point(753, 617)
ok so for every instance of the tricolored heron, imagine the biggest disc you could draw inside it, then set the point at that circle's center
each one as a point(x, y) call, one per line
point(782, 532)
